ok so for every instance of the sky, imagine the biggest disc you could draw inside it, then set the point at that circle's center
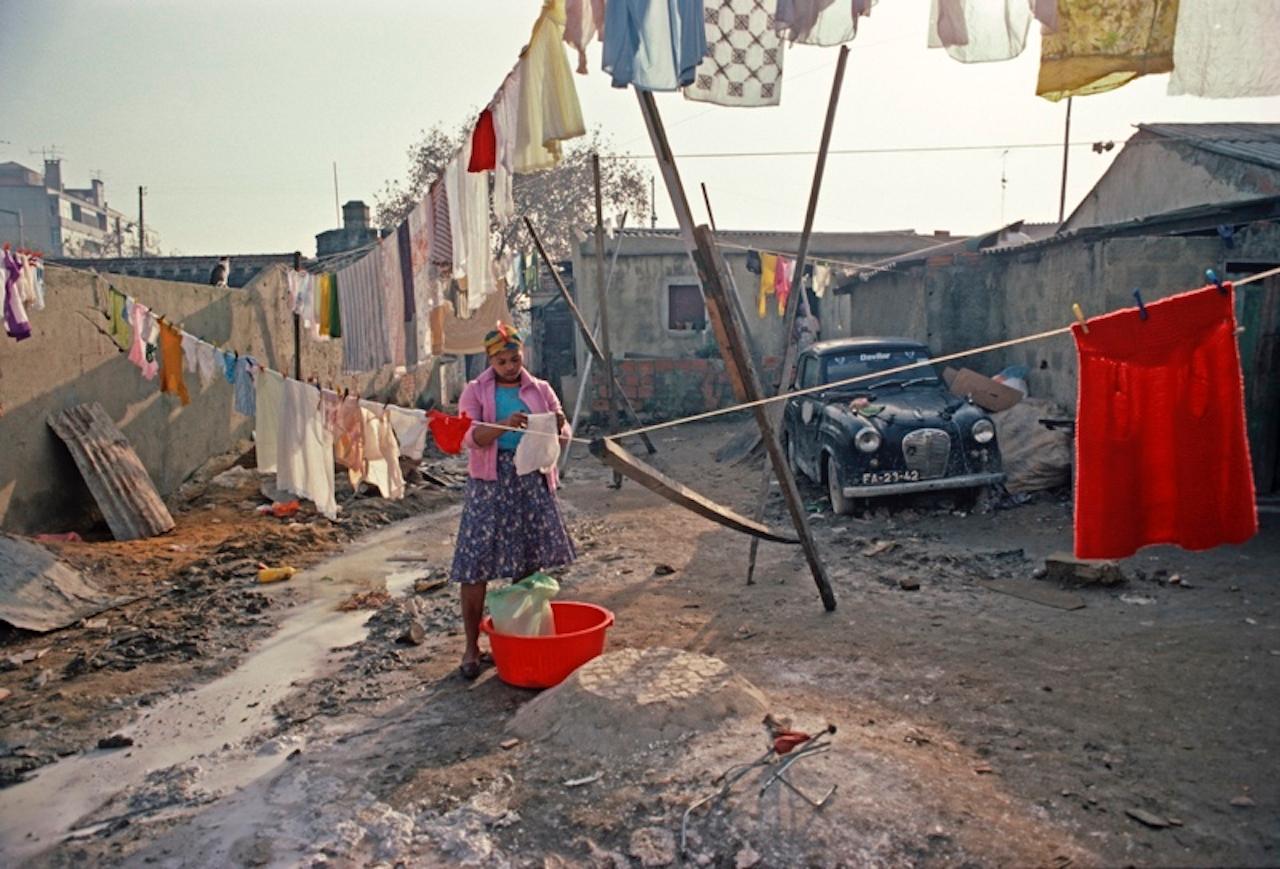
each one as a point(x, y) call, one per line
point(232, 114)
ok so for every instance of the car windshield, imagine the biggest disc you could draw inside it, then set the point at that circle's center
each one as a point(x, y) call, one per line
point(862, 362)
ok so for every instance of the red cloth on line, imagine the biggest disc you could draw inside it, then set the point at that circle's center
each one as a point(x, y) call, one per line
point(484, 144)
point(448, 431)
point(1161, 450)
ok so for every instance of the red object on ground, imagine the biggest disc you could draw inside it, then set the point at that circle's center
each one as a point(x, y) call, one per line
point(64, 537)
point(786, 740)
point(448, 431)
point(280, 509)
point(542, 662)
point(484, 144)
point(1162, 455)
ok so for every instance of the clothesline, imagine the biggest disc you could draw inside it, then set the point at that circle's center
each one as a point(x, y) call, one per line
point(809, 257)
point(877, 375)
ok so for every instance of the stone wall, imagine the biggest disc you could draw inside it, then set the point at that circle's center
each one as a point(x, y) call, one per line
point(69, 361)
point(662, 389)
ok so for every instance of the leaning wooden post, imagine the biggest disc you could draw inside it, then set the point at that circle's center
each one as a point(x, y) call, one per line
point(788, 372)
point(602, 309)
point(588, 338)
point(724, 309)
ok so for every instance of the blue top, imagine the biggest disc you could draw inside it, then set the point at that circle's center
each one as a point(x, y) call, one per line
point(506, 402)
point(654, 45)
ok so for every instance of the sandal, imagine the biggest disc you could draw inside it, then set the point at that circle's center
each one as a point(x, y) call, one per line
point(470, 670)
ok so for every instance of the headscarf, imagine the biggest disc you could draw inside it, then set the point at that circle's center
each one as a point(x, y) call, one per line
point(502, 338)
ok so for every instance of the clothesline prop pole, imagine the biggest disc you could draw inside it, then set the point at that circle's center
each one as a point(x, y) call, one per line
point(724, 310)
point(792, 353)
point(588, 359)
point(297, 326)
point(586, 333)
point(602, 309)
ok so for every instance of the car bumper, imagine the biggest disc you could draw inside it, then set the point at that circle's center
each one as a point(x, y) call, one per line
point(968, 481)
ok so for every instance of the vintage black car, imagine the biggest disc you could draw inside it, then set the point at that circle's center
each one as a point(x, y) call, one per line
point(891, 435)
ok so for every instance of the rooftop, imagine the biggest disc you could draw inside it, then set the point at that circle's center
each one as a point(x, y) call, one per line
point(1252, 143)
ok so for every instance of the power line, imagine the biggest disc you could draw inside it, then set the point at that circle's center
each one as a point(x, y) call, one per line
point(918, 149)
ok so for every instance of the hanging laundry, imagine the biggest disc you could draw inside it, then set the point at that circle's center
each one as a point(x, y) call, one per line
point(189, 345)
point(381, 455)
point(460, 336)
point(208, 365)
point(1161, 450)
point(1046, 12)
point(782, 275)
point(821, 280)
point(405, 245)
point(819, 22)
point(654, 45)
point(268, 400)
point(548, 108)
point(448, 431)
point(469, 228)
point(744, 54)
point(16, 324)
point(228, 366)
point(506, 123)
point(978, 31)
point(348, 444)
point(171, 379)
point(392, 290)
point(441, 251)
point(1226, 49)
point(583, 22)
point(145, 334)
point(539, 447)
point(410, 427)
point(484, 144)
point(768, 277)
point(118, 321)
point(753, 262)
point(246, 389)
point(304, 448)
point(28, 287)
point(427, 288)
point(1100, 46)
point(364, 332)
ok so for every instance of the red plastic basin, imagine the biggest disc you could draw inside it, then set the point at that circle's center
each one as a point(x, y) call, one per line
point(541, 662)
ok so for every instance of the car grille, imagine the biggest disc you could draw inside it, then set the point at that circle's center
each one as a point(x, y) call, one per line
point(926, 450)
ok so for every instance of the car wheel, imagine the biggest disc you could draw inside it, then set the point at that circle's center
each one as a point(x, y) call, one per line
point(840, 505)
point(790, 446)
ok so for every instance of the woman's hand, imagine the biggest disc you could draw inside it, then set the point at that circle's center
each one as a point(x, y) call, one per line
point(560, 420)
point(516, 420)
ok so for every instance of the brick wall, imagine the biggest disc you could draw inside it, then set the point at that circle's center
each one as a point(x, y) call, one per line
point(670, 388)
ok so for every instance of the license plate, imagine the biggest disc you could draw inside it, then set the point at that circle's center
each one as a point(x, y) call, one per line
point(871, 478)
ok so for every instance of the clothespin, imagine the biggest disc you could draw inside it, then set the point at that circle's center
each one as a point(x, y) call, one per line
point(1142, 309)
point(1214, 279)
point(1075, 307)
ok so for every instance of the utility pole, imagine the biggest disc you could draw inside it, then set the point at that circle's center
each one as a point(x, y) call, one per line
point(297, 326)
point(1066, 142)
point(337, 210)
point(142, 225)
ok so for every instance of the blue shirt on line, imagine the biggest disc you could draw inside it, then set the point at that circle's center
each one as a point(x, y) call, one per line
point(506, 402)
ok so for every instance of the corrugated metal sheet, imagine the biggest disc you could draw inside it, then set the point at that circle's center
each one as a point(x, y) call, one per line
point(40, 593)
point(115, 475)
point(1252, 143)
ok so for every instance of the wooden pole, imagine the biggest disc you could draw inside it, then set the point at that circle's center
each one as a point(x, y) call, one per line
point(1066, 150)
point(787, 373)
point(297, 326)
point(602, 309)
point(724, 309)
point(582, 328)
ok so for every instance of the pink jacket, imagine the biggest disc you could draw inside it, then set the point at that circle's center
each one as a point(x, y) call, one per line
point(479, 401)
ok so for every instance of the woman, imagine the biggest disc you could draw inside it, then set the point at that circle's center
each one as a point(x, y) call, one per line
point(511, 525)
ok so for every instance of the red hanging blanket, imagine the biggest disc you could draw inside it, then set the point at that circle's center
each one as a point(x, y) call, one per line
point(1161, 450)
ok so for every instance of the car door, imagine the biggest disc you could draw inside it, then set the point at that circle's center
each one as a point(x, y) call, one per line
point(809, 416)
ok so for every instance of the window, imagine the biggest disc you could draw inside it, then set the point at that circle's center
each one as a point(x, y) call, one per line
point(809, 372)
point(685, 312)
point(863, 362)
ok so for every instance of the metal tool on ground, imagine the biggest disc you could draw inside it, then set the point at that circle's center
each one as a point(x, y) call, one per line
point(793, 745)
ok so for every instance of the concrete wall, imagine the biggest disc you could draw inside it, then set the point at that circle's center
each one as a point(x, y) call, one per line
point(1153, 175)
point(68, 361)
point(954, 304)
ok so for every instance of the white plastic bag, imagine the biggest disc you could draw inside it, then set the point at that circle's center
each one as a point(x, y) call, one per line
point(523, 609)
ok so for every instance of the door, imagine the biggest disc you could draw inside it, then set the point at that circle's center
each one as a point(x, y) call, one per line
point(808, 417)
point(1260, 360)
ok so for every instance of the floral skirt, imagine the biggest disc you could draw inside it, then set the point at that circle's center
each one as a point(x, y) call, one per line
point(511, 527)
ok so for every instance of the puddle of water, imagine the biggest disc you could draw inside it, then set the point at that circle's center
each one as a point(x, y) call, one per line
point(194, 726)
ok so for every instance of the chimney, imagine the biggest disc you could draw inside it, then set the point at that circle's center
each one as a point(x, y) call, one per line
point(53, 174)
point(355, 215)
point(99, 192)
point(942, 233)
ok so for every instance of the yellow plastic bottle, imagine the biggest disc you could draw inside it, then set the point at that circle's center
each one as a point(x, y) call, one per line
point(276, 574)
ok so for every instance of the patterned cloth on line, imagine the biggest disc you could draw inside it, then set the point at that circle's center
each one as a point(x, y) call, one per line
point(364, 333)
point(743, 64)
point(510, 528)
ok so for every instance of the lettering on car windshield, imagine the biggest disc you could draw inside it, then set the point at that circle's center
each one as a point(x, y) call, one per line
point(873, 357)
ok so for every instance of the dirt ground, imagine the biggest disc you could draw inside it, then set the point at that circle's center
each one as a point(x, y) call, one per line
point(974, 727)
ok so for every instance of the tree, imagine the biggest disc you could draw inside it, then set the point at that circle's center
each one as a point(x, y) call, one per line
point(560, 202)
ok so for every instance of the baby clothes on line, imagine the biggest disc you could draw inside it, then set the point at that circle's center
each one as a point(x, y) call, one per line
point(381, 455)
point(190, 343)
point(539, 447)
point(348, 444)
point(246, 395)
point(228, 361)
point(16, 324)
point(171, 379)
point(118, 318)
point(1161, 450)
point(145, 334)
point(208, 365)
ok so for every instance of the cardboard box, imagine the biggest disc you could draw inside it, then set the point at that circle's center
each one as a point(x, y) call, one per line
point(984, 391)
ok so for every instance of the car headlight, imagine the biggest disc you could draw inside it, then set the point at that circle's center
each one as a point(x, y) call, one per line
point(983, 431)
point(867, 439)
